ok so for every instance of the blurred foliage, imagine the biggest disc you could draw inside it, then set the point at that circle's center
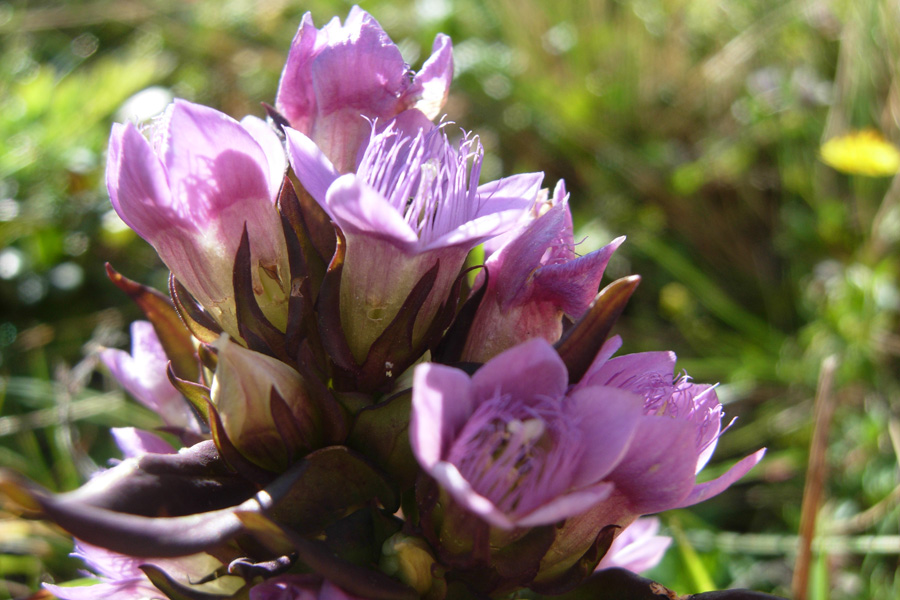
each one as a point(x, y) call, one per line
point(693, 127)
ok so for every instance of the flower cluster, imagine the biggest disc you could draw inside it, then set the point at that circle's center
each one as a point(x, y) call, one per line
point(357, 413)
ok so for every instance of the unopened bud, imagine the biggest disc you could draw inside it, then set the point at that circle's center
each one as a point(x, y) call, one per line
point(409, 559)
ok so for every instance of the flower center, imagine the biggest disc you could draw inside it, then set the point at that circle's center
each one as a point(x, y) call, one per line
point(518, 455)
point(428, 181)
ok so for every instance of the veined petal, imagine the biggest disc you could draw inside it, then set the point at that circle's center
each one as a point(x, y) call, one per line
point(573, 285)
point(515, 192)
point(138, 184)
point(631, 369)
point(441, 404)
point(137, 588)
point(657, 472)
point(296, 98)
point(609, 418)
point(530, 370)
point(366, 51)
point(272, 147)
point(512, 265)
point(143, 375)
point(567, 505)
point(637, 548)
point(449, 477)
point(471, 233)
point(609, 347)
point(358, 208)
point(212, 163)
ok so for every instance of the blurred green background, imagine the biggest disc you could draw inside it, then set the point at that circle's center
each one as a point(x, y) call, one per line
point(692, 127)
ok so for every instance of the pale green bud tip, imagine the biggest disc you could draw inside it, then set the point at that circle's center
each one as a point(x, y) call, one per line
point(409, 559)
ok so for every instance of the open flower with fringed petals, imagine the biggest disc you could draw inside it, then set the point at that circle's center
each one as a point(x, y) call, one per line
point(413, 204)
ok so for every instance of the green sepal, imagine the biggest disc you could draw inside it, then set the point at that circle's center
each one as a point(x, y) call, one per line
point(195, 393)
point(171, 331)
point(198, 322)
point(393, 352)
point(258, 332)
point(582, 568)
point(331, 483)
point(357, 580)
point(232, 456)
point(381, 431)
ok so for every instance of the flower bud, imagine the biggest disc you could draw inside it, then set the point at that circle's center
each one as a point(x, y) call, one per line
point(340, 78)
point(409, 559)
point(534, 280)
point(243, 389)
point(413, 205)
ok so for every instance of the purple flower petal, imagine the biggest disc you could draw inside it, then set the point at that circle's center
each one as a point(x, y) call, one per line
point(296, 97)
point(272, 147)
point(431, 84)
point(567, 505)
point(609, 347)
point(517, 192)
point(127, 589)
point(320, 99)
point(511, 267)
point(471, 233)
point(311, 166)
point(143, 375)
point(712, 488)
point(609, 418)
point(657, 473)
point(441, 402)
point(573, 285)
point(529, 370)
point(192, 191)
point(360, 209)
point(449, 478)
point(213, 163)
point(107, 563)
point(135, 442)
point(637, 548)
point(137, 182)
point(632, 370)
point(378, 69)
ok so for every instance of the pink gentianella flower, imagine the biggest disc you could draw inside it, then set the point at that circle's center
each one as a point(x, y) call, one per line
point(413, 202)
point(512, 443)
point(192, 189)
point(339, 76)
point(534, 279)
point(517, 446)
point(638, 548)
point(143, 375)
point(680, 427)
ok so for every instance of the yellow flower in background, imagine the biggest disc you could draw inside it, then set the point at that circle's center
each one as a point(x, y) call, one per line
point(863, 152)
